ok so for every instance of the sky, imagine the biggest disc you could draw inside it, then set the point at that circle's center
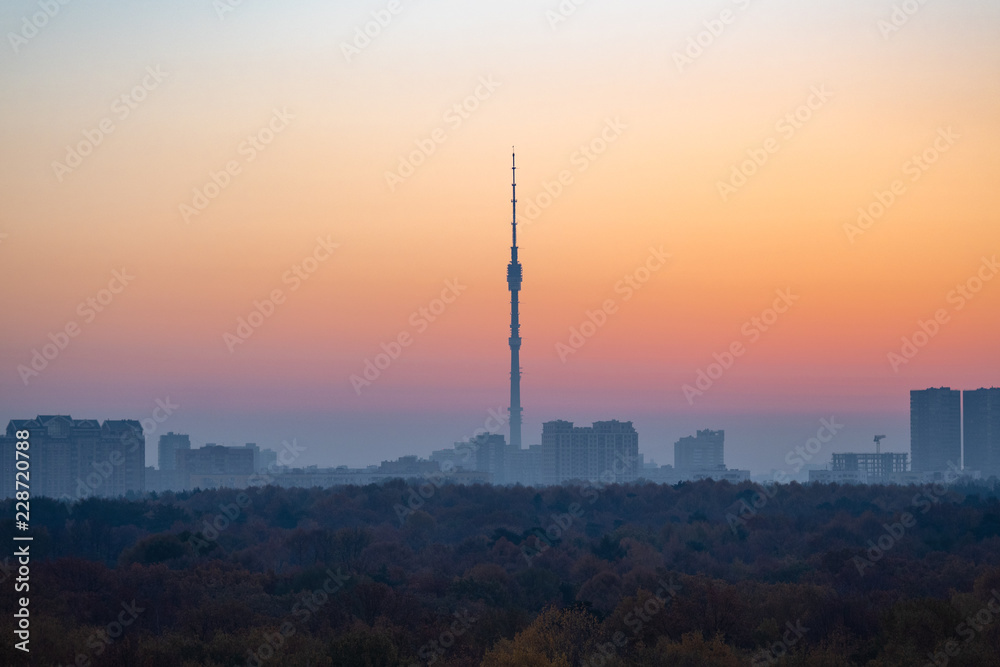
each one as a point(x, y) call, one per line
point(749, 215)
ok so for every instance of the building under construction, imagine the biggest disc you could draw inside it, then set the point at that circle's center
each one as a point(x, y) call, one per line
point(872, 466)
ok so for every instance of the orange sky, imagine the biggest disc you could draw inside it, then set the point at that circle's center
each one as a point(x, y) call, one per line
point(553, 87)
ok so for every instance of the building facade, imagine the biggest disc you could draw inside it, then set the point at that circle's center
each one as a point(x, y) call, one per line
point(981, 426)
point(606, 452)
point(214, 466)
point(72, 459)
point(524, 466)
point(935, 429)
point(168, 476)
point(872, 466)
point(704, 451)
point(166, 449)
point(491, 450)
point(263, 459)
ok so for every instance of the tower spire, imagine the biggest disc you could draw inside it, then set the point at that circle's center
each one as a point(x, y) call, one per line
point(514, 284)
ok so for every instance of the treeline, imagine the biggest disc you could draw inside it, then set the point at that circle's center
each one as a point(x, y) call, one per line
point(409, 574)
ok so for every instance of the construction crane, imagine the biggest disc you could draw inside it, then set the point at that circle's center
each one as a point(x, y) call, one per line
point(878, 443)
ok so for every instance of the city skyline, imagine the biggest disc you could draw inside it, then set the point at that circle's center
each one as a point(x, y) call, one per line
point(954, 433)
point(814, 206)
point(280, 386)
point(514, 273)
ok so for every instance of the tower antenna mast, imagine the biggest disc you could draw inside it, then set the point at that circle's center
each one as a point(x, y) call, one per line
point(514, 284)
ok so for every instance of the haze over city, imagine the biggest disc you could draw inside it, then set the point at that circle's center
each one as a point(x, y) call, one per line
point(257, 147)
point(501, 333)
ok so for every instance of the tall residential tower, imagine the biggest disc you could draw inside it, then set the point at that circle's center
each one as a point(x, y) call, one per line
point(514, 283)
point(981, 432)
point(935, 429)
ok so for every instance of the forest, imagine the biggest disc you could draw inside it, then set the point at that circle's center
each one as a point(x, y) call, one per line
point(407, 574)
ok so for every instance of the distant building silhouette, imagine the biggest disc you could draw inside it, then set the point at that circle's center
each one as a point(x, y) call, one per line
point(263, 459)
point(704, 451)
point(524, 466)
point(501, 463)
point(214, 466)
point(981, 422)
point(459, 457)
point(72, 459)
point(935, 429)
point(167, 476)
point(409, 466)
point(182, 468)
point(697, 457)
point(487, 453)
point(166, 450)
point(491, 450)
point(606, 452)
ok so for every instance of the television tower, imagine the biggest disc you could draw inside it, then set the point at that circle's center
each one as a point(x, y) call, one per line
point(514, 283)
